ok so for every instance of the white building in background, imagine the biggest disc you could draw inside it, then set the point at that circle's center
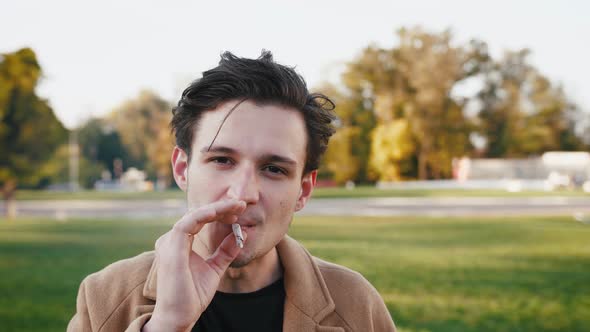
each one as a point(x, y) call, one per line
point(131, 180)
point(552, 170)
point(134, 180)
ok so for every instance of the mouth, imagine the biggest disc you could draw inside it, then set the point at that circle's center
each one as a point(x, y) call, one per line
point(247, 228)
point(246, 223)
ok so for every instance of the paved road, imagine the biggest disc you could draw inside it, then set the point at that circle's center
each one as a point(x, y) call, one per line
point(439, 207)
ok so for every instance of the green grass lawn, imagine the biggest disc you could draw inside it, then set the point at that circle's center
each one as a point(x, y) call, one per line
point(337, 192)
point(452, 274)
point(366, 191)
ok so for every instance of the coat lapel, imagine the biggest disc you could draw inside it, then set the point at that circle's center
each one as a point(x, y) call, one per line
point(308, 300)
point(149, 289)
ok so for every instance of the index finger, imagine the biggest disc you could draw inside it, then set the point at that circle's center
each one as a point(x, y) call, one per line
point(194, 220)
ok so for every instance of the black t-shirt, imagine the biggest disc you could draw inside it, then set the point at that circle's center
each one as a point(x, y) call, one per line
point(260, 311)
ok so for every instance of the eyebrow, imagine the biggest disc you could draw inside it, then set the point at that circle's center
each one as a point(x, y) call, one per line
point(267, 157)
point(218, 149)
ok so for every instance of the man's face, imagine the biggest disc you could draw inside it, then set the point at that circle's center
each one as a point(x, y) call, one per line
point(258, 157)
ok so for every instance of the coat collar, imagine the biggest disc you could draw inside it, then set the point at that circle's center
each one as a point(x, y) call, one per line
point(308, 300)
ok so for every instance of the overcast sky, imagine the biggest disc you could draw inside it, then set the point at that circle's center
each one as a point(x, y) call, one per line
point(97, 54)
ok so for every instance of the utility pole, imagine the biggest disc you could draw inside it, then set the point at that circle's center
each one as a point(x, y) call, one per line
point(74, 168)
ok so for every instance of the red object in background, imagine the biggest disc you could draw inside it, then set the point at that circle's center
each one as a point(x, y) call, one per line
point(326, 183)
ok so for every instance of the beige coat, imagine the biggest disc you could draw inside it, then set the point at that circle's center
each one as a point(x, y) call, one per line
point(320, 296)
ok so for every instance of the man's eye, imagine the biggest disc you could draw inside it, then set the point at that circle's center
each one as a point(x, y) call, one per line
point(274, 169)
point(221, 160)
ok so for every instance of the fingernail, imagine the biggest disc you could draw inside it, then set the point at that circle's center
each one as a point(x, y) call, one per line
point(240, 205)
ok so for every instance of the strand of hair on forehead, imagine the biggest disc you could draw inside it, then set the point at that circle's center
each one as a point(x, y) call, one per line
point(223, 121)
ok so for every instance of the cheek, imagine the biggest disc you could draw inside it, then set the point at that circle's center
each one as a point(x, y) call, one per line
point(284, 196)
point(287, 208)
point(279, 202)
point(198, 180)
point(286, 205)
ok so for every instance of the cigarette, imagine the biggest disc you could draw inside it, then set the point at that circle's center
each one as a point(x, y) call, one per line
point(238, 234)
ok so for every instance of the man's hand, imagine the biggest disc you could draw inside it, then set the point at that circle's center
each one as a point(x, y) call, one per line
point(187, 282)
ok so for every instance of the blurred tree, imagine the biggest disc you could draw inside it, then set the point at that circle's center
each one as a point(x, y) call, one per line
point(392, 150)
point(29, 130)
point(56, 170)
point(518, 112)
point(348, 152)
point(413, 82)
point(582, 120)
point(523, 113)
point(142, 124)
point(432, 66)
point(503, 120)
point(339, 159)
point(101, 144)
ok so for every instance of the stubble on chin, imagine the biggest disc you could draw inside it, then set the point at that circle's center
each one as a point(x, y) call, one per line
point(239, 261)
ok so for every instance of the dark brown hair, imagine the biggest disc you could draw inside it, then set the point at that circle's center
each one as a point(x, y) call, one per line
point(263, 81)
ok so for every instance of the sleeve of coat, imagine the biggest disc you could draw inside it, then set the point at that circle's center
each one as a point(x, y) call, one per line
point(81, 320)
point(382, 320)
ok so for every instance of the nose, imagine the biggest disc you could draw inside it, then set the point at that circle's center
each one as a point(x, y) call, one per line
point(244, 185)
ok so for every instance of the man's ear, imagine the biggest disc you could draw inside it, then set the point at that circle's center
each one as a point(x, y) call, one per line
point(307, 184)
point(180, 167)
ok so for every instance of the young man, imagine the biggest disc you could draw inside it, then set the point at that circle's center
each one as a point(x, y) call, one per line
point(249, 138)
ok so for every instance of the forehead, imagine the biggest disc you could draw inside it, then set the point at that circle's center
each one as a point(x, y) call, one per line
point(254, 129)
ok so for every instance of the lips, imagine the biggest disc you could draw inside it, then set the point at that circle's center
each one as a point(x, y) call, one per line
point(245, 223)
point(247, 228)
